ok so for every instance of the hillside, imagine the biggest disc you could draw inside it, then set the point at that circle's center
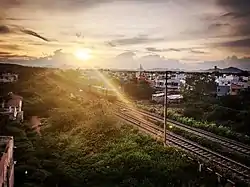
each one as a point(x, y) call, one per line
point(232, 70)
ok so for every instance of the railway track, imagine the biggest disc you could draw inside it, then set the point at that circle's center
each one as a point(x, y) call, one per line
point(225, 142)
point(237, 169)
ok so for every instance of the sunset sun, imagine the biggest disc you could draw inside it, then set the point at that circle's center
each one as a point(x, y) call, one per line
point(82, 54)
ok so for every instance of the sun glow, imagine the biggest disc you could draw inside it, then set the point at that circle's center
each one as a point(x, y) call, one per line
point(82, 54)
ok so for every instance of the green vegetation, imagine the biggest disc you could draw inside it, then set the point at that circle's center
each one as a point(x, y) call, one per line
point(177, 115)
point(205, 142)
point(226, 116)
point(79, 142)
point(211, 145)
point(138, 89)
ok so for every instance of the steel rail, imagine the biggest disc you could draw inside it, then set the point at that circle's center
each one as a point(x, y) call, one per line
point(237, 169)
point(231, 144)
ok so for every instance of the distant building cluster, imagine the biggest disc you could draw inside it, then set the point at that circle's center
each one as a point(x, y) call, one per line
point(231, 84)
point(8, 77)
point(158, 82)
point(226, 84)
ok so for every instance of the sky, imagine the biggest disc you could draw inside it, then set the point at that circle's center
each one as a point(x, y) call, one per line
point(186, 34)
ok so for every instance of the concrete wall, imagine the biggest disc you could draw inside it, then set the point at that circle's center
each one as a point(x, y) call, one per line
point(6, 163)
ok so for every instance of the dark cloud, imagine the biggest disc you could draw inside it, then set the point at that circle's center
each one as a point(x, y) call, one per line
point(110, 44)
point(236, 15)
point(4, 29)
point(243, 43)
point(236, 5)
point(153, 49)
point(232, 61)
point(32, 33)
point(238, 11)
point(16, 19)
point(141, 39)
point(216, 26)
point(4, 53)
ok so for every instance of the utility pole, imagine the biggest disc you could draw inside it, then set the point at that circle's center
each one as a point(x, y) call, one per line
point(165, 108)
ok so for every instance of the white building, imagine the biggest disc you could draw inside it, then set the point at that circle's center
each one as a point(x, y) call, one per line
point(12, 107)
point(159, 98)
point(8, 77)
point(174, 83)
point(231, 85)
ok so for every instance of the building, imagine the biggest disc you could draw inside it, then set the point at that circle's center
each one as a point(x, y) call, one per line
point(6, 162)
point(174, 82)
point(231, 85)
point(235, 89)
point(223, 90)
point(159, 98)
point(12, 106)
point(174, 85)
point(8, 78)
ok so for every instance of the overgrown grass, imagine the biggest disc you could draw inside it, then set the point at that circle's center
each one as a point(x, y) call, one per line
point(208, 126)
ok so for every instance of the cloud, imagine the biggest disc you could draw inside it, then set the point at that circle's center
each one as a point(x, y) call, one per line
point(9, 46)
point(110, 44)
point(236, 15)
point(242, 43)
point(126, 55)
point(129, 60)
point(239, 5)
point(126, 60)
point(238, 11)
point(141, 39)
point(198, 51)
point(216, 26)
point(153, 49)
point(33, 33)
point(233, 61)
point(8, 56)
point(4, 29)
point(191, 50)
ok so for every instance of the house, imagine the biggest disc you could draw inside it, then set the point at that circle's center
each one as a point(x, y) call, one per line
point(8, 77)
point(6, 162)
point(12, 106)
point(223, 90)
point(173, 85)
point(235, 89)
point(174, 82)
point(231, 85)
point(14, 101)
